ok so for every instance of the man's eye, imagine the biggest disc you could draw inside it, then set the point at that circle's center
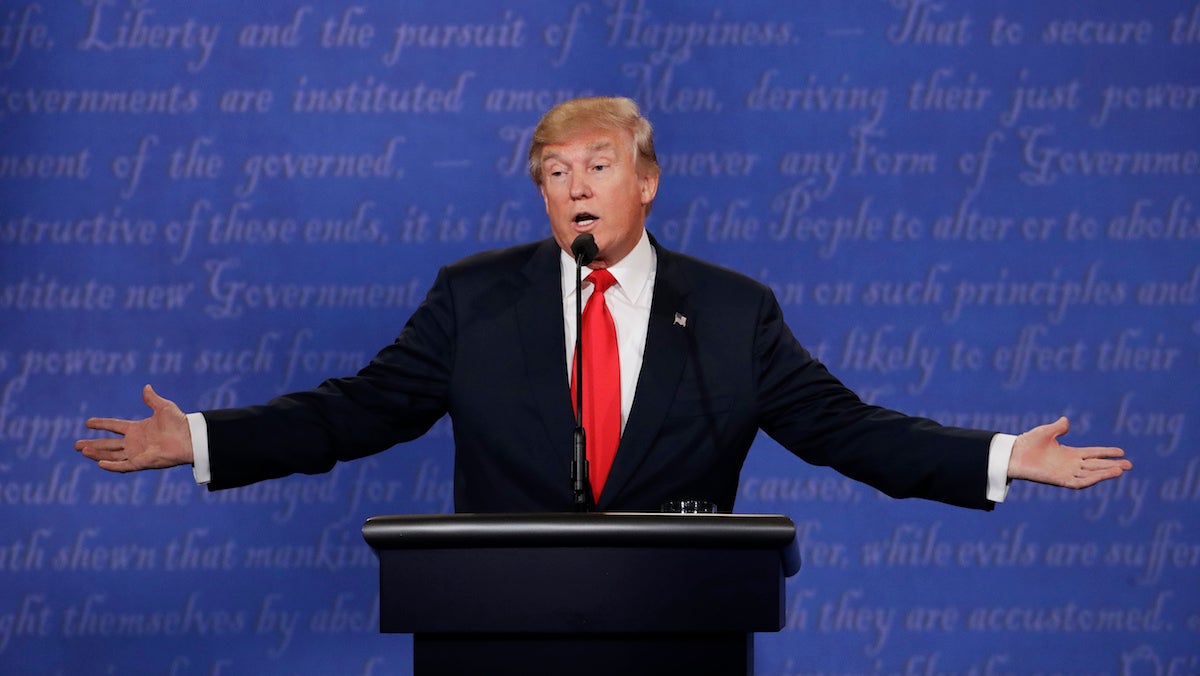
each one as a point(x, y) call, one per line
point(600, 167)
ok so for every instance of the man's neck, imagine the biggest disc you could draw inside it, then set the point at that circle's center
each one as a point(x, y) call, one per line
point(631, 272)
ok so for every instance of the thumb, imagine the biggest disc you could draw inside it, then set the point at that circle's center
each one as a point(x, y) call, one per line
point(1059, 427)
point(152, 399)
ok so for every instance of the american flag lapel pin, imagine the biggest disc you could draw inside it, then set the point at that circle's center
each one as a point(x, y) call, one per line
point(680, 320)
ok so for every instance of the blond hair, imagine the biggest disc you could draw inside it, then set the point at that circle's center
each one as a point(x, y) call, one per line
point(579, 116)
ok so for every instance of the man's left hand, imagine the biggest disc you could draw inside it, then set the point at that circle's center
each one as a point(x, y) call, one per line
point(1037, 456)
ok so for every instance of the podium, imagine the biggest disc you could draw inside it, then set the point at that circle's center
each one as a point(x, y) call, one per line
point(597, 593)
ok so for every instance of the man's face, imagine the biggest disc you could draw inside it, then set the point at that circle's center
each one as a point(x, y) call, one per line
point(591, 184)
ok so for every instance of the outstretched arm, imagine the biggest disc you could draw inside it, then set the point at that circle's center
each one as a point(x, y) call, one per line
point(160, 441)
point(1037, 456)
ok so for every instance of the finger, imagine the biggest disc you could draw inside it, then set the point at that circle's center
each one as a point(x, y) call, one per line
point(1059, 427)
point(1097, 465)
point(105, 461)
point(100, 454)
point(119, 466)
point(1108, 453)
point(1092, 478)
point(100, 445)
point(152, 398)
point(1095, 451)
point(1101, 452)
point(114, 425)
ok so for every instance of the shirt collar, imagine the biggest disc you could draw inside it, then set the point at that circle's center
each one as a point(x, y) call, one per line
point(633, 272)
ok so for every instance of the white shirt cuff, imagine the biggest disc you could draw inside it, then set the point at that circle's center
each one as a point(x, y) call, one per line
point(999, 453)
point(199, 430)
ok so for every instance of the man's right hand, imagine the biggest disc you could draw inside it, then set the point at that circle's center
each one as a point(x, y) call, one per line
point(160, 441)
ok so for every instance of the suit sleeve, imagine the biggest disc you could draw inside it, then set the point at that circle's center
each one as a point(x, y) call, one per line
point(816, 417)
point(397, 397)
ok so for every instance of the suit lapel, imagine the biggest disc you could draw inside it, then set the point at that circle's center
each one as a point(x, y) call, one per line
point(662, 363)
point(543, 348)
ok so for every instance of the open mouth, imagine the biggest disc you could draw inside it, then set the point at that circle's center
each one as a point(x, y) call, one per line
point(585, 219)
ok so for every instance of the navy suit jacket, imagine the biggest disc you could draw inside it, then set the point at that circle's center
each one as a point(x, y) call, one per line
point(487, 347)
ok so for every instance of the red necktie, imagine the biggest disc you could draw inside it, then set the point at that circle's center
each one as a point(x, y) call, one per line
point(601, 382)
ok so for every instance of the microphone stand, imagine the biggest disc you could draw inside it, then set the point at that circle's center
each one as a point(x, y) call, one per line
point(584, 248)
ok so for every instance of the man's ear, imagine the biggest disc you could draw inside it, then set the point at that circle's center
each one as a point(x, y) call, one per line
point(648, 186)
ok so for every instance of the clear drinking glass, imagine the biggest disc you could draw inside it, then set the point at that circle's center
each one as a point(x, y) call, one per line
point(689, 507)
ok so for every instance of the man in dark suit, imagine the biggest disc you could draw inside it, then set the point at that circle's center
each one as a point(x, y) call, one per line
point(705, 362)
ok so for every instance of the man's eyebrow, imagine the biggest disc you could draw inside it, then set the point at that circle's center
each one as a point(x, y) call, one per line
point(592, 148)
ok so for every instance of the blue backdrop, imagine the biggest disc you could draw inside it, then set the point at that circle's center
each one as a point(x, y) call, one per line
point(982, 212)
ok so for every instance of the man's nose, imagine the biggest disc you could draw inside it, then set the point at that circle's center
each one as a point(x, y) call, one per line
point(580, 187)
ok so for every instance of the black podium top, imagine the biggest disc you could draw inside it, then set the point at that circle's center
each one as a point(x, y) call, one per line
point(597, 529)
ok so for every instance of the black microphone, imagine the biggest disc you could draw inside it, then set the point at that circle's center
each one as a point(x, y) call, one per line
point(584, 248)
